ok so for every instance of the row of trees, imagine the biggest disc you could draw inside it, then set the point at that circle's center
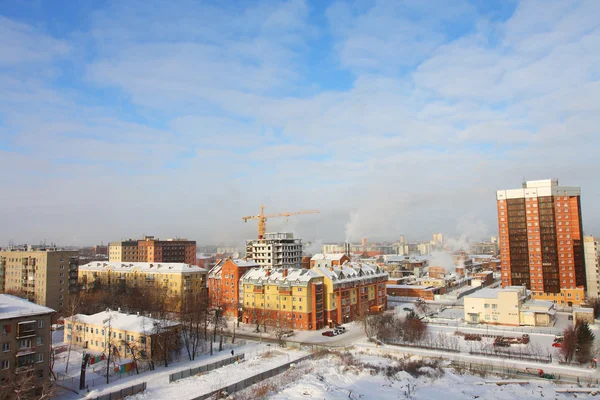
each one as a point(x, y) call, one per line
point(390, 326)
point(577, 344)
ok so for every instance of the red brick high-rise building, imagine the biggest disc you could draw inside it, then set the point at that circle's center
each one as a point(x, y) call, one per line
point(541, 240)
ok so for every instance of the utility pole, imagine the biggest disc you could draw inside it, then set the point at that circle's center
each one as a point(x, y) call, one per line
point(109, 320)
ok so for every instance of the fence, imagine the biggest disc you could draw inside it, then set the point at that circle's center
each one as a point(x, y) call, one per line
point(120, 394)
point(186, 373)
point(420, 346)
point(514, 372)
point(521, 356)
point(244, 383)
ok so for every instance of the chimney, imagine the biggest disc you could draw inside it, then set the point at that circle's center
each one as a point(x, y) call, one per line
point(285, 272)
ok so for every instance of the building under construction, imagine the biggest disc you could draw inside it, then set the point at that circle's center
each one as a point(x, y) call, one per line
point(275, 250)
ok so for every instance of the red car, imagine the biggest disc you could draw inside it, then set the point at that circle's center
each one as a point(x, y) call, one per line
point(557, 344)
point(327, 333)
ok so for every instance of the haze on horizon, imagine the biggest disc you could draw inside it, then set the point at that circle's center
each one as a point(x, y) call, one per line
point(119, 119)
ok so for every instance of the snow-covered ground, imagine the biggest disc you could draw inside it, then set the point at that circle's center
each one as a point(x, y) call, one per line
point(333, 377)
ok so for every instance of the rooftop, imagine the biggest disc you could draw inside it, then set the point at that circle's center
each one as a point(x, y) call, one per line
point(13, 306)
point(336, 256)
point(158, 268)
point(276, 275)
point(121, 321)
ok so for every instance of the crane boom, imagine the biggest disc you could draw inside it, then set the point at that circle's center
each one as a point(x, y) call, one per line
point(262, 218)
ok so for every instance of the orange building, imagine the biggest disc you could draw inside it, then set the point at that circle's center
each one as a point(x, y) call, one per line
point(541, 243)
point(328, 260)
point(223, 285)
point(436, 272)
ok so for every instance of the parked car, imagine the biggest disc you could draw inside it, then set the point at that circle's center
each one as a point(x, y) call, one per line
point(341, 328)
point(338, 331)
point(407, 309)
point(327, 333)
point(559, 338)
point(557, 344)
point(501, 343)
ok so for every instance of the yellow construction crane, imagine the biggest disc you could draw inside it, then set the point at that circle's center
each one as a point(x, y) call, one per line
point(262, 218)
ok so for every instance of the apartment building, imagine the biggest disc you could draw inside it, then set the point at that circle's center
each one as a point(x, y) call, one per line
point(126, 333)
point(25, 340)
point(47, 276)
point(511, 305)
point(282, 297)
point(224, 282)
point(275, 250)
point(177, 278)
point(541, 240)
point(151, 249)
point(592, 258)
point(352, 289)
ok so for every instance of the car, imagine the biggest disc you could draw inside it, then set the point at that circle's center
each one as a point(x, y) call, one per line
point(557, 344)
point(328, 333)
point(407, 309)
point(340, 328)
point(335, 333)
point(338, 331)
point(501, 343)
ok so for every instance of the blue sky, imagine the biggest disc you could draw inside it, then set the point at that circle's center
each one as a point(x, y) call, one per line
point(391, 117)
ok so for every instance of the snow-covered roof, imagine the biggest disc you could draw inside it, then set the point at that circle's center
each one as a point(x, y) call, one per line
point(156, 267)
point(120, 321)
point(13, 307)
point(215, 272)
point(416, 287)
point(489, 293)
point(352, 271)
point(332, 257)
point(537, 305)
point(275, 276)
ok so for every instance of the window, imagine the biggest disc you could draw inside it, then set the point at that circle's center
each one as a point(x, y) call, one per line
point(143, 339)
point(5, 347)
point(5, 364)
point(40, 357)
point(486, 306)
point(494, 306)
point(40, 341)
point(40, 323)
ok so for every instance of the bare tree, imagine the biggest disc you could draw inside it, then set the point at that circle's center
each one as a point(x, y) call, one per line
point(71, 310)
point(568, 345)
point(26, 386)
point(192, 317)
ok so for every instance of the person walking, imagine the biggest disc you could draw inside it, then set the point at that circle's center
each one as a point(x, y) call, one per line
point(232, 352)
point(595, 362)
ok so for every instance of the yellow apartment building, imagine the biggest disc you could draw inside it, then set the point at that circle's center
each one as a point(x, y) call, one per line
point(126, 333)
point(286, 298)
point(177, 278)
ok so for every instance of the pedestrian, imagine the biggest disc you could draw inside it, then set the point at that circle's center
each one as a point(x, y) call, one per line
point(232, 352)
point(595, 362)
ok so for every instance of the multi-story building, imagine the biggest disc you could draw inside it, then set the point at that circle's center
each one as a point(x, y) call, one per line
point(511, 305)
point(328, 260)
point(275, 250)
point(176, 278)
point(541, 240)
point(592, 258)
point(283, 297)
point(149, 249)
point(223, 285)
point(123, 251)
point(125, 333)
point(351, 290)
point(25, 339)
point(437, 240)
point(47, 276)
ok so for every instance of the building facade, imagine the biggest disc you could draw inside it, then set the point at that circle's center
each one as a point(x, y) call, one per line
point(275, 250)
point(351, 290)
point(130, 335)
point(511, 305)
point(177, 279)
point(328, 260)
point(283, 298)
point(224, 285)
point(541, 240)
point(150, 249)
point(48, 276)
point(25, 339)
point(592, 258)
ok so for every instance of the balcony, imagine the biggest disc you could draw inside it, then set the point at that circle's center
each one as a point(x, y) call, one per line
point(26, 329)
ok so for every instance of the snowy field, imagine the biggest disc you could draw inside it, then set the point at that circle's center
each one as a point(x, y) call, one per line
point(340, 377)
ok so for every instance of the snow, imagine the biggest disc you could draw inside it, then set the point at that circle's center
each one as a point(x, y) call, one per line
point(13, 306)
point(120, 321)
point(156, 267)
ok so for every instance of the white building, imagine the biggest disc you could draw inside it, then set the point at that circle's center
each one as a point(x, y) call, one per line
point(276, 250)
point(590, 249)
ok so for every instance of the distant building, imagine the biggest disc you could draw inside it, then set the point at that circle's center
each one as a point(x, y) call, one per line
point(328, 260)
point(47, 276)
point(415, 291)
point(149, 249)
point(26, 340)
point(126, 333)
point(541, 240)
point(276, 250)
point(592, 258)
point(489, 248)
point(511, 305)
point(437, 240)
